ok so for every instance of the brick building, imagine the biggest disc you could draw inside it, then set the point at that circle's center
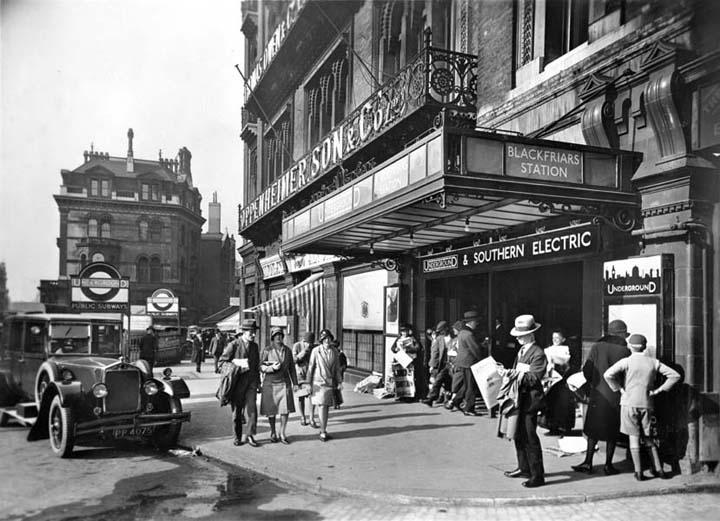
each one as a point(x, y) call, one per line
point(413, 160)
point(142, 216)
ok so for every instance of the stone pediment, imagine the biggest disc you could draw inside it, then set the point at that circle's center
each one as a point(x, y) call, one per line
point(662, 53)
point(597, 84)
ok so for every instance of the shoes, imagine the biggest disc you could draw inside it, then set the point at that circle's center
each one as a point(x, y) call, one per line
point(237, 442)
point(284, 440)
point(661, 474)
point(429, 402)
point(314, 424)
point(449, 406)
point(251, 441)
point(324, 436)
point(609, 470)
point(471, 413)
point(583, 467)
point(533, 483)
point(273, 438)
point(517, 473)
point(304, 422)
point(639, 476)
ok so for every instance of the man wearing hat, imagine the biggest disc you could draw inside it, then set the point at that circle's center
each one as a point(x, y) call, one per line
point(243, 353)
point(469, 353)
point(602, 420)
point(635, 376)
point(529, 367)
point(438, 364)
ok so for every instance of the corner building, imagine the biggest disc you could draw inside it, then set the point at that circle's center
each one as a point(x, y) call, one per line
point(408, 161)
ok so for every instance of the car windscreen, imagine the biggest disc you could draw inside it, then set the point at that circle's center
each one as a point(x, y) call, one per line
point(69, 338)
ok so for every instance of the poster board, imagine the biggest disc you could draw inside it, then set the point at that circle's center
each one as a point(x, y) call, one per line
point(391, 310)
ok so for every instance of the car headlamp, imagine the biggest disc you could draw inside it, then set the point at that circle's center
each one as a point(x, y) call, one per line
point(67, 375)
point(100, 390)
point(150, 388)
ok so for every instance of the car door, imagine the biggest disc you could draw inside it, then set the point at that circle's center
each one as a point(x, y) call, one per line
point(35, 340)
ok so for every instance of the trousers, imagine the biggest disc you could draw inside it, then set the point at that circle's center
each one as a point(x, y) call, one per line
point(527, 446)
point(244, 404)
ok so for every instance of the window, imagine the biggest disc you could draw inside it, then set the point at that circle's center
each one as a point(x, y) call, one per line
point(92, 228)
point(278, 143)
point(326, 96)
point(399, 26)
point(35, 333)
point(149, 192)
point(156, 231)
point(155, 270)
point(98, 257)
point(182, 235)
point(143, 269)
point(105, 230)
point(145, 192)
point(105, 188)
point(566, 26)
point(94, 187)
point(182, 271)
point(143, 230)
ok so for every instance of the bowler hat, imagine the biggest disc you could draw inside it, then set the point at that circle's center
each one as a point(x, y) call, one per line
point(636, 341)
point(325, 333)
point(248, 325)
point(524, 325)
point(276, 331)
point(471, 315)
point(309, 337)
point(441, 326)
point(617, 328)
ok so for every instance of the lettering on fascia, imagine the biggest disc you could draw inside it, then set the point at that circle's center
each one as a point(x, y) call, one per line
point(544, 163)
point(373, 117)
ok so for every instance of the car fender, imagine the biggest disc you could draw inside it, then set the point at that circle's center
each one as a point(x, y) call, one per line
point(70, 393)
point(176, 387)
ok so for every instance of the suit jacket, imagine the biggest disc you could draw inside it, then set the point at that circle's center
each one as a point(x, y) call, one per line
point(531, 391)
point(468, 348)
point(238, 348)
point(438, 353)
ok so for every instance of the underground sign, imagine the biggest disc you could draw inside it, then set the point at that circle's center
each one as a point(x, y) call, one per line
point(163, 302)
point(100, 287)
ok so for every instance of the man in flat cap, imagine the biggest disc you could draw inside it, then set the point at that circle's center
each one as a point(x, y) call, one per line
point(244, 354)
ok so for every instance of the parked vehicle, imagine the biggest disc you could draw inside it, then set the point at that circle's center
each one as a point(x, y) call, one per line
point(84, 388)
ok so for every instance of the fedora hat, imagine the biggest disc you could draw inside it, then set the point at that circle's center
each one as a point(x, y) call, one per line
point(248, 325)
point(276, 331)
point(471, 315)
point(618, 328)
point(524, 325)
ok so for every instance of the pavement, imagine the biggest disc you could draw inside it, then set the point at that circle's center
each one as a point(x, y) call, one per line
point(409, 453)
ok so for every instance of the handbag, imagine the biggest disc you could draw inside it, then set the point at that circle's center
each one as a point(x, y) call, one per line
point(337, 396)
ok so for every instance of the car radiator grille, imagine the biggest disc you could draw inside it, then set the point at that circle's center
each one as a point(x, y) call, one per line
point(123, 391)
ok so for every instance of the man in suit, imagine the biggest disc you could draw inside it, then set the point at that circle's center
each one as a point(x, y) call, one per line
point(148, 347)
point(438, 365)
point(529, 367)
point(244, 353)
point(469, 352)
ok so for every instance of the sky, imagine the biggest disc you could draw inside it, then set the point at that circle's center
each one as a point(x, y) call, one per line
point(76, 72)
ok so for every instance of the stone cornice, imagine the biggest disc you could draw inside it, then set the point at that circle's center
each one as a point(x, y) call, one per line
point(676, 207)
point(113, 205)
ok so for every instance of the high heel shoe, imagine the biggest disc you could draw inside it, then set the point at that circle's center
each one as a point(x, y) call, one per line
point(273, 438)
point(583, 467)
point(314, 424)
point(639, 476)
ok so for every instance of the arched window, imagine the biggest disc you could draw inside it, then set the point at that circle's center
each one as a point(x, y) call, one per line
point(143, 269)
point(105, 230)
point(92, 228)
point(98, 257)
point(156, 231)
point(155, 270)
point(143, 230)
point(83, 260)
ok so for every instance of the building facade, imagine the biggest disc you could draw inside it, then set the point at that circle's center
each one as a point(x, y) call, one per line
point(553, 157)
point(141, 216)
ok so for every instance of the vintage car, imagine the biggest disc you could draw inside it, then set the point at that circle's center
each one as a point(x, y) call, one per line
point(84, 389)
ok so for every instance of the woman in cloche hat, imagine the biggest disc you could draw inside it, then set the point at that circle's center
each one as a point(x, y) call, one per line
point(325, 378)
point(276, 363)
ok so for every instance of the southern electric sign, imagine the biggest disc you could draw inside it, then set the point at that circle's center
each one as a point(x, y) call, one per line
point(100, 287)
point(555, 244)
point(163, 303)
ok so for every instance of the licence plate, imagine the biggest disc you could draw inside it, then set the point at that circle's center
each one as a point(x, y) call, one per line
point(139, 431)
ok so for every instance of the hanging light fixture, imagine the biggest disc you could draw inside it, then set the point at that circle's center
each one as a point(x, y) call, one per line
point(467, 224)
point(372, 250)
point(412, 239)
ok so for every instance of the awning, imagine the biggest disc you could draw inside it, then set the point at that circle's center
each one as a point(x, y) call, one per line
point(304, 299)
point(230, 323)
point(218, 316)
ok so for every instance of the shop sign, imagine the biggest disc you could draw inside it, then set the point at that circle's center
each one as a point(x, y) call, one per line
point(100, 287)
point(273, 45)
point(558, 243)
point(710, 115)
point(163, 303)
point(543, 163)
point(638, 276)
point(273, 267)
point(308, 261)
point(372, 118)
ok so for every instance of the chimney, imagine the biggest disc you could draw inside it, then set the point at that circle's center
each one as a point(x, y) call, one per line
point(130, 158)
point(214, 215)
point(185, 173)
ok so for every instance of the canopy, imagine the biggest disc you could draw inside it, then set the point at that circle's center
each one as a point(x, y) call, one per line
point(304, 299)
point(230, 323)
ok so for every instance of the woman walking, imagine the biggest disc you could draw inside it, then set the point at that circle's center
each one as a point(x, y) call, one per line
point(301, 357)
point(279, 382)
point(324, 377)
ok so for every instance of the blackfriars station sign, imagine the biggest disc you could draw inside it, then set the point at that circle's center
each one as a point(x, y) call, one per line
point(555, 244)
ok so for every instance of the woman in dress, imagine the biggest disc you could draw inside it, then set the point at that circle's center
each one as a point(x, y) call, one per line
point(324, 376)
point(559, 411)
point(279, 382)
point(301, 356)
point(403, 366)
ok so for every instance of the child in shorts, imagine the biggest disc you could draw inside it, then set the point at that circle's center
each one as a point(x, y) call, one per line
point(634, 377)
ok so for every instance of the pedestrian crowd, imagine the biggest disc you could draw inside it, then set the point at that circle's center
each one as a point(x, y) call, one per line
point(620, 385)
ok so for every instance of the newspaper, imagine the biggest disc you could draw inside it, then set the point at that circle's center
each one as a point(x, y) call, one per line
point(488, 380)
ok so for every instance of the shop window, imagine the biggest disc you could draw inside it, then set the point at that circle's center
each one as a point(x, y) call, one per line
point(155, 270)
point(143, 230)
point(326, 95)
point(143, 269)
point(92, 227)
point(566, 26)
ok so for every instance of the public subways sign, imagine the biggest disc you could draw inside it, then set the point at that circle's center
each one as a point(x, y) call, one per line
point(99, 287)
point(163, 303)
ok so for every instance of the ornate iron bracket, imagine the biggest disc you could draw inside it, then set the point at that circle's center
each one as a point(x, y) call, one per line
point(438, 198)
point(622, 218)
point(387, 264)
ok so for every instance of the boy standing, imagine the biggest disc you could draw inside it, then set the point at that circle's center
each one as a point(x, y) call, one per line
point(634, 377)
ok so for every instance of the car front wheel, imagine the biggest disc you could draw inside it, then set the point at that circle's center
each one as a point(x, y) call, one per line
point(166, 436)
point(61, 425)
